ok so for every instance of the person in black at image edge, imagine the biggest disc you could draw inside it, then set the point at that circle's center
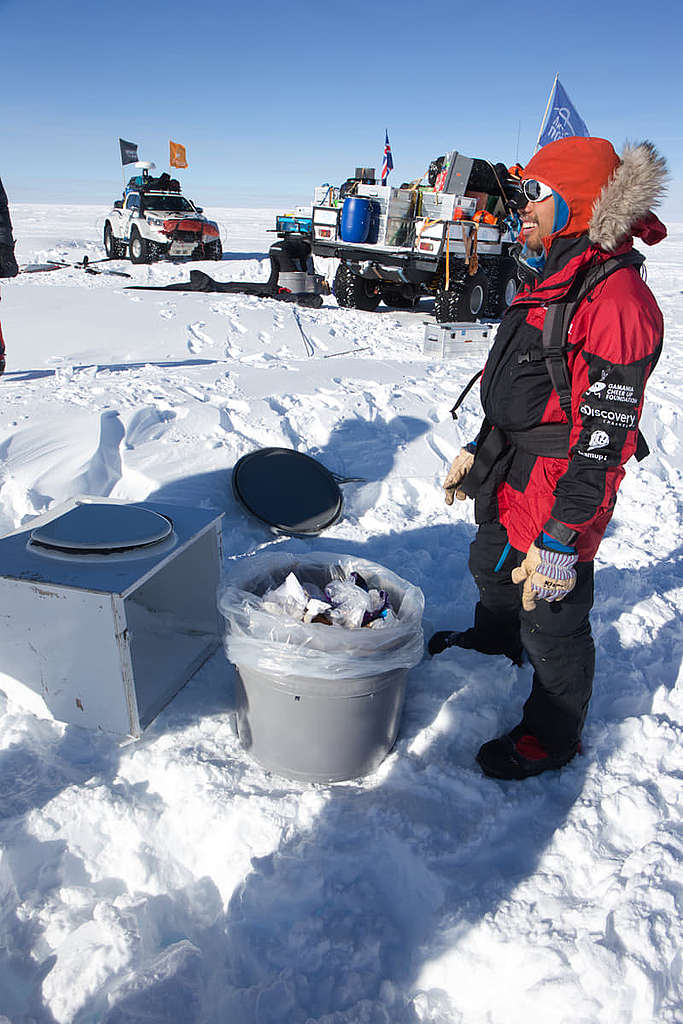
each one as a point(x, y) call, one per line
point(8, 264)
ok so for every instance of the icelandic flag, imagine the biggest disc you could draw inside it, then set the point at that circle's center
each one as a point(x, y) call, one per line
point(561, 118)
point(388, 163)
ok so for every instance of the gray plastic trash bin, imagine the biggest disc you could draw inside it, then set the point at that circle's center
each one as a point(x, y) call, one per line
point(314, 702)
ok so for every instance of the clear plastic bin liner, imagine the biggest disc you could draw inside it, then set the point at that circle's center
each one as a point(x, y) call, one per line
point(287, 649)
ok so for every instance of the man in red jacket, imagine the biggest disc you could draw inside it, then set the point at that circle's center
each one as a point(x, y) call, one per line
point(8, 264)
point(560, 423)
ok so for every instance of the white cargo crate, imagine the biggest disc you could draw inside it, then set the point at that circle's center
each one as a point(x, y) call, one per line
point(436, 205)
point(429, 237)
point(394, 202)
point(489, 238)
point(448, 341)
point(108, 608)
point(325, 222)
point(441, 205)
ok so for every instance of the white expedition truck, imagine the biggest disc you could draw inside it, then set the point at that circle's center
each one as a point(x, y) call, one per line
point(154, 220)
point(450, 239)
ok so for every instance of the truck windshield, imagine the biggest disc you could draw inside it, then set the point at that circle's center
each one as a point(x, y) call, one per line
point(170, 203)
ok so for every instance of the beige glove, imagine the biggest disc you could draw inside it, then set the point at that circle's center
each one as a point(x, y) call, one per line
point(546, 575)
point(460, 467)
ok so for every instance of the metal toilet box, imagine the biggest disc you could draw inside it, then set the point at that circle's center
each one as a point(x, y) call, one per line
point(448, 341)
point(107, 608)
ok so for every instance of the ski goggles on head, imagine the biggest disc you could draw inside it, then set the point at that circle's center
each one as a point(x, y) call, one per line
point(535, 191)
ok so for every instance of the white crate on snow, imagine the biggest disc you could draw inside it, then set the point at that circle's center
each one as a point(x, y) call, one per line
point(108, 608)
point(448, 341)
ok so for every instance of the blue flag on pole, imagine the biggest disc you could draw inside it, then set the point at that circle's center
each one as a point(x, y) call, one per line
point(561, 119)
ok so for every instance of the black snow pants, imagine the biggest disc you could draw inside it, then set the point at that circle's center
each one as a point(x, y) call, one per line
point(555, 635)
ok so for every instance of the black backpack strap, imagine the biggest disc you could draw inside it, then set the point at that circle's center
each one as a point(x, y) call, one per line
point(555, 330)
point(558, 319)
point(463, 394)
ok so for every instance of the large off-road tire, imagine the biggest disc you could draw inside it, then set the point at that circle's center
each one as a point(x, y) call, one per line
point(465, 299)
point(508, 284)
point(213, 250)
point(503, 286)
point(139, 247)
point(353, 291)
point(446, 305)
point(473, 296)
point(399, 296)
point(113, 248)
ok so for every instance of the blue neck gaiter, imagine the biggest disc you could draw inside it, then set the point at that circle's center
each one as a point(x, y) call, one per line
point(536, 260)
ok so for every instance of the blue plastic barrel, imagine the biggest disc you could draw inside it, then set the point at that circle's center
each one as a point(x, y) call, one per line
point(355, 219)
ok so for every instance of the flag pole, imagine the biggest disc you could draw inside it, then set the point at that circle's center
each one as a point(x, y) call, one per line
point(550, 97)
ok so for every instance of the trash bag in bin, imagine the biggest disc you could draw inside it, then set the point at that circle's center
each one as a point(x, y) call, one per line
point(318, 702)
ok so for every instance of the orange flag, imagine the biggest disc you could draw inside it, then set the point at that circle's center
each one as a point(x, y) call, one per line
point(178, 157)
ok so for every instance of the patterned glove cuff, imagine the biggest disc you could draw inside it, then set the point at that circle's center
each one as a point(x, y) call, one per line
point(554, 561)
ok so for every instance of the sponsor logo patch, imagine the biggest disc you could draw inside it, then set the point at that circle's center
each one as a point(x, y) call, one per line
point(593, 455)
point(627, 420)
point(621, 393)
point(598, 439)
point(624, 393)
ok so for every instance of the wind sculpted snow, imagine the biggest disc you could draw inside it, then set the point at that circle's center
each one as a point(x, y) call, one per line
point(172, 879)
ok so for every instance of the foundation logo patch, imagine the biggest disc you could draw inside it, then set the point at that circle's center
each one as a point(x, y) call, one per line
point(597, 388)
point(624, 393)
point(598, 439)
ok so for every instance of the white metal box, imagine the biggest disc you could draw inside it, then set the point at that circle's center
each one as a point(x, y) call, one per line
point(107, 630)
point(394, 209)
point(441, 205)
point(325, 222)
point(448, 341)
point(299, 281)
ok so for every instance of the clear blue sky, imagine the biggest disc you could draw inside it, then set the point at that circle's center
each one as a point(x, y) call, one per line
point(273, 98)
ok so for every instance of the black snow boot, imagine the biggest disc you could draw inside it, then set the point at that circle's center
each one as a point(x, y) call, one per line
point(518, 755)
point(442, 640)
point(469, 640)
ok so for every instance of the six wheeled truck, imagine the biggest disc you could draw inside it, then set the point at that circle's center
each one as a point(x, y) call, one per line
point(154, 220)
point(450, 239)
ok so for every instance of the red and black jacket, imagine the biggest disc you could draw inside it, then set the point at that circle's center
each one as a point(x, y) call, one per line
point(613, 343)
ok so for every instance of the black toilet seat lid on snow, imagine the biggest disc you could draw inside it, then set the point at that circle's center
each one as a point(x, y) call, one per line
point(289, 491)
point(100, 527)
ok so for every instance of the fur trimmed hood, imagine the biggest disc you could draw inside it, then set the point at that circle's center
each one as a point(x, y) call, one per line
point(609, 198)
point(624, 206)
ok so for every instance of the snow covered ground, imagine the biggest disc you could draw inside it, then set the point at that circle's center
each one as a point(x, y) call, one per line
point(174, 880)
